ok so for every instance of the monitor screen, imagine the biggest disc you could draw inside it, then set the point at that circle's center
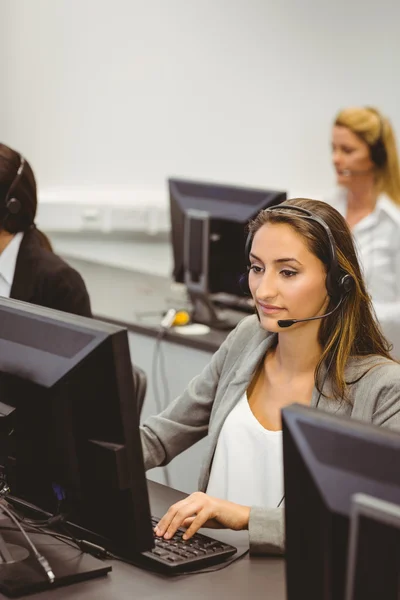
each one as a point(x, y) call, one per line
point(69, 429)
point(328, 459)
point(218, 218)
point(373, 569)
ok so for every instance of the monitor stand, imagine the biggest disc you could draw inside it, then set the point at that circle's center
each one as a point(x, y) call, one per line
point(21, 573)
point(205, 312)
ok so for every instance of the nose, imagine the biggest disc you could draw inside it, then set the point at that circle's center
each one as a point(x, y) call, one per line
point(335, 157)
point(267, 286)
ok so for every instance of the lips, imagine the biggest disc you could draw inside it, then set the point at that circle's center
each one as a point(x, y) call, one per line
point(269, 308)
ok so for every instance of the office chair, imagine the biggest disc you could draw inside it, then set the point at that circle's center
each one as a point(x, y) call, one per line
point(140, 385)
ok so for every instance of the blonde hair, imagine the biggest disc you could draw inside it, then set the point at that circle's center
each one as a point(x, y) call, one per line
point(371, 126)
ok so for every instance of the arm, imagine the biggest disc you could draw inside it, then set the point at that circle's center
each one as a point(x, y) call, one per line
point(388, 313)
point(185, 421)
point(385, 392)
point(265, 525)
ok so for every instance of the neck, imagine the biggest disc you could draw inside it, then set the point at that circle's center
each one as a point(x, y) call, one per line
point(362, 195)
point(5, 239)
point(299, 351)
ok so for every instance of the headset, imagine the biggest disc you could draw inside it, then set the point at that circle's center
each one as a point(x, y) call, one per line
point(13, 205)
point(377, 150)
point(338, 283)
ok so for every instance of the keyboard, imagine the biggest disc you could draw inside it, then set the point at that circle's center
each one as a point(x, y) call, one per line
point(175, 555)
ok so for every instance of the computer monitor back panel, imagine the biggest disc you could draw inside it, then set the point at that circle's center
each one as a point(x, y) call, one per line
point(326, 460)
point(76, 445)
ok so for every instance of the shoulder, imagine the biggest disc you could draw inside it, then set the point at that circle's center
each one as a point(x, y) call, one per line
point(376, 396)
point(373, 373)
point(55, 267)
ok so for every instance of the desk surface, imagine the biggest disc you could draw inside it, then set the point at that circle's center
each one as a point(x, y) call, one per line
point(255, 578)
point(138, 301)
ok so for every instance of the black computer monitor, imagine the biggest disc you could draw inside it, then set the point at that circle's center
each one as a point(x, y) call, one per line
point(71, 423)
point(328, 459)
point(373, 568)
point(208, 224)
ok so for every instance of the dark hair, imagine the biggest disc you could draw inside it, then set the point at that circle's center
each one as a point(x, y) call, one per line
point(24, 191)
point(355, 332)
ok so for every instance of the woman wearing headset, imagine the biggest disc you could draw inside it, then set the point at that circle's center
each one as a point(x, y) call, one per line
point(29, 270)
point(314, 332)
point(368, 196)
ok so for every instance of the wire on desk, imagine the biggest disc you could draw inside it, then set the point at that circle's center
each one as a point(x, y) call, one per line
point(157, 398)
point(42, 560)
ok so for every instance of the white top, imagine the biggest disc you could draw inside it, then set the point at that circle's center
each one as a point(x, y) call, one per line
point(377, 238)
point(248, 464)
point(8, 259)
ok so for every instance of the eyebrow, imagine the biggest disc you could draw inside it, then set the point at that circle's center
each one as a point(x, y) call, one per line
point(278, 260)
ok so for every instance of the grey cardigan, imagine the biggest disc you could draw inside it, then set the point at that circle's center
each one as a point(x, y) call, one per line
point(203, 407)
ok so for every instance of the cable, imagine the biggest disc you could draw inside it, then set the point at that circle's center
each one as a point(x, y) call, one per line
point(64, 538)
point(154, 372)
point(41, 559)
point(163, 371)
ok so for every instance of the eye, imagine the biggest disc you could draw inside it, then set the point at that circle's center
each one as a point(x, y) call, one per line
point(255, 268)
point(348, 150)
point(288, 273)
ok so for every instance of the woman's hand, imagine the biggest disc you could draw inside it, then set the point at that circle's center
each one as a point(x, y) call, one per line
point(199, 510)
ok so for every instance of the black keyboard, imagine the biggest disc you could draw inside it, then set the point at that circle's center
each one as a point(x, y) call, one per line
point(176, 554)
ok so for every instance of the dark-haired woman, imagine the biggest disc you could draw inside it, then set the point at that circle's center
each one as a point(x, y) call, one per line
point(29, 269)
point(300, 267)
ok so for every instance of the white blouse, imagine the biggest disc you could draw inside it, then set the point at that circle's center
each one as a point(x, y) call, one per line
point(377, 238)
point(8, 260)
point(248, 464)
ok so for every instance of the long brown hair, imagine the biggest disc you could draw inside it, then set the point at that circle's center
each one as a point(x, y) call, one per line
point(24, 191)
point(353, 331)
point(370, 125)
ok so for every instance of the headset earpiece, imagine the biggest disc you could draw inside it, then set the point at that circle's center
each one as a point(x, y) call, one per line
point(377, 151)
point(346, 283)
point(13, 206)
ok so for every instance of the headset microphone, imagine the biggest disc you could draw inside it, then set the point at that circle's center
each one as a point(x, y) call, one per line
point(290, 322)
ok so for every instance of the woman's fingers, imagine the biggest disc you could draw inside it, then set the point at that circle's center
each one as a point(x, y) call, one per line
point(176, 515)
point(199, 510)
point(199, 521)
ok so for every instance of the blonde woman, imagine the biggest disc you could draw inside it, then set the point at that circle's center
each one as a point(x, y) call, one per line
point(367, 169)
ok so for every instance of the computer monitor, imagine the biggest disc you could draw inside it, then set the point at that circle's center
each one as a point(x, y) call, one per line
point(208, 225)
point(66, 384)
point(373, 569)
point(328, 459)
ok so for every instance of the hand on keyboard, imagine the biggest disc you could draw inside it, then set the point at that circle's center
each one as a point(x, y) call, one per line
point(176, 555)
point(200, 510)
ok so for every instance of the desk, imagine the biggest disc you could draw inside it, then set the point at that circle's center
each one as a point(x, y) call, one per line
point(256, 578)
point(138, 300)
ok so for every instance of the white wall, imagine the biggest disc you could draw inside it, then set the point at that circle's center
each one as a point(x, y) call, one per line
point(117, 95)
